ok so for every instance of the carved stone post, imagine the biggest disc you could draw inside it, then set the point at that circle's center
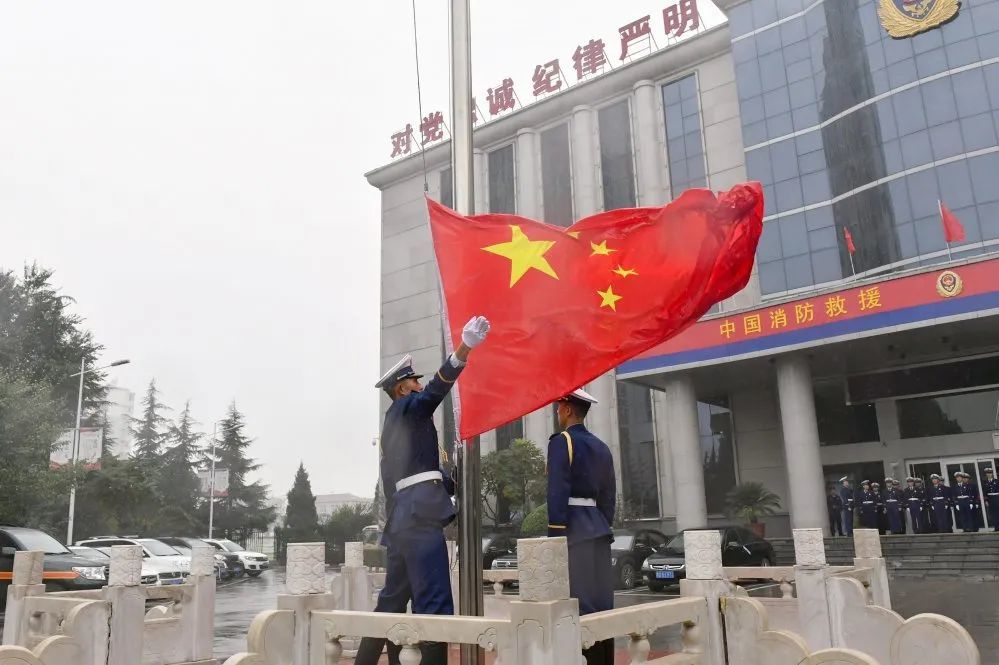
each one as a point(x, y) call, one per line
point(867, 554)
point(706, 578)
point(352, 588)
point(810, 578)
point(198, 618)
point(545, 620)
point(26, 581)
point(305, 580)
point(128, 603)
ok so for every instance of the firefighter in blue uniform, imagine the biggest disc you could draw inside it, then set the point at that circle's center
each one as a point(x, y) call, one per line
point(893, 506)
point(991, 489)
point(846, 496)
point(834, 506)
point(581, 499)
point(900, 494)
point(881, 523)
point(915, 498)
point(939, 496)
point(965, 500)
point(868, 503)
point(418, 497)
point(926, 523)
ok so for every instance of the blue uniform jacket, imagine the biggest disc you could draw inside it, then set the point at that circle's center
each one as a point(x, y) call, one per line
point(409, 446)
point(846, 496)
point(939, 496)
point(581, 466)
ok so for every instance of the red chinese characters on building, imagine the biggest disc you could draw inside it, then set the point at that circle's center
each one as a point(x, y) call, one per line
point(501, 98)
point(633, 32)
point(402, 142)
point(681, 17)
point(589, 58)
point(547, 78)
point(432, 127)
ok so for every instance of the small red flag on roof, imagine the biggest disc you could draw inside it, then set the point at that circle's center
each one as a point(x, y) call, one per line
point(953, 231)
point(849, 241)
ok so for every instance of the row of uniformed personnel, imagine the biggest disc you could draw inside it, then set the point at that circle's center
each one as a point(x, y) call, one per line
point(581, 501)
point(936, 509)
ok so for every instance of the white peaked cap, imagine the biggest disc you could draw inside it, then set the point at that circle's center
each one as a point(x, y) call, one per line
point(582, 396)
point(401, 370)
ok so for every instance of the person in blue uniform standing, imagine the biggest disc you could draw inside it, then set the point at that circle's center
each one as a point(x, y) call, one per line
point(900, 495)
point(846, 496)
point(868, 504)
point(418, 497)
point(834, 506)
point(965, 499)
point(991, 490)
point(881, 522)
point(914, 499)
point(893, 506)
point(939, 496)
point(582, 493)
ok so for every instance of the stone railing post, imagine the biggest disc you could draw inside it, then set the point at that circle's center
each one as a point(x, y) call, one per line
point(810, 579)
point(26, 581)
point(128, 605)
point(305, 579)
point(867, 554)
point(706, 578)
point(545, 620)
point(352, 588)
point(198, 618)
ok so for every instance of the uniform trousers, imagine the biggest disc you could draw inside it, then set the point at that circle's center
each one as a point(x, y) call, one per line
point(418, 570)
point(591, 582)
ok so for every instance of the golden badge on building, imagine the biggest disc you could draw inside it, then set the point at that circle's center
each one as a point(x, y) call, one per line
point(904, 18)
point(949, 284)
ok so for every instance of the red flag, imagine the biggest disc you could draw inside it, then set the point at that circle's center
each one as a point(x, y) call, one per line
point(953, 231)
point(850, 247)
point(568, 305)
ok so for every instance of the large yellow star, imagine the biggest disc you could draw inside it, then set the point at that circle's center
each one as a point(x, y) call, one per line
point(608, 298)
point(624, 272)
point(601, 248)
point(524, 254)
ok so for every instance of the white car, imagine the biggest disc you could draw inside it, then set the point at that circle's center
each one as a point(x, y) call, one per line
point(254, 563)
point(171, 567)
point(150, 576)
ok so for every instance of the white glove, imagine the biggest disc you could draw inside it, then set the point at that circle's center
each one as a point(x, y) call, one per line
point(475, 331)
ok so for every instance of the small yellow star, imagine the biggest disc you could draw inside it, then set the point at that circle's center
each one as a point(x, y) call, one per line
point(608, 298)
point(601, 249)
point(624, 272)
point(574, 234)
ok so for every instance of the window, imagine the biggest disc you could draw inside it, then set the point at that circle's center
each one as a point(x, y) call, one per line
point(502, 197)
point(714, 421)
point(556, 175)
point(639, 471)
point(841, 423)
point(447, 188)
point(948, 414)
point(616, 163)
point(684, 147)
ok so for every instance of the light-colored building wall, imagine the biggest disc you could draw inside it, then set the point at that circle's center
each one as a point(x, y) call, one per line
point(120, 404)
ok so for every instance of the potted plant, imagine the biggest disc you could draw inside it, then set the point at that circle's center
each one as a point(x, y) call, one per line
point(751, 501)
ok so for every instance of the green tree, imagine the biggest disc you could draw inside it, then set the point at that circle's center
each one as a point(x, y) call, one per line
point(535, 524)
point(345, 524)
point(517, 474)
point(176, 482)
point(301, 523)
point(244, 509)
point(150, 431)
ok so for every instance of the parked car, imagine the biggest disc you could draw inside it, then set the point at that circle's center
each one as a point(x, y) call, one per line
point(629, 549)
point(497, 545)
point(103, 557)
point(254, 563)
point(740, 547)
point(170, 565)
point(63, 570)
point(226, 564)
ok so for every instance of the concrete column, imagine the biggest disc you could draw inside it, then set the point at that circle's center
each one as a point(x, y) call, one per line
point(479, 169)
point(650, 155)
point(801, 443)
point(667, 499)
point(685, 451)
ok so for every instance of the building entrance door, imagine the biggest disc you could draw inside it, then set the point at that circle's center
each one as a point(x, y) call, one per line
point(948, 466)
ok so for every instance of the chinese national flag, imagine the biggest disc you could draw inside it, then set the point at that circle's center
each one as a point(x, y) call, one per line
point(953, 231)
point(850, 247)
point(568, 305)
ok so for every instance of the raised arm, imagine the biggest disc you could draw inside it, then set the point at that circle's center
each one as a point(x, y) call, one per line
point(424, 403)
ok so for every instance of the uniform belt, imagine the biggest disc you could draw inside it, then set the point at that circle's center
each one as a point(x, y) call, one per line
point(913, 499)
point(417, 478)
point(576, 501)
point(993, 493)
point(892, 500)
point(866, 502)
point(939, 498)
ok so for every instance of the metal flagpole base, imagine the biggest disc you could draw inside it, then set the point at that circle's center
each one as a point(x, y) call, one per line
point(470, 602)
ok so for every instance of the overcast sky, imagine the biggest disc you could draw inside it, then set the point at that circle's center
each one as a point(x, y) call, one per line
point(192, 171)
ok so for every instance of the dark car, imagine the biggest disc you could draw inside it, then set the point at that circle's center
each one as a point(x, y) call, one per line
point(630, 548)
point(63, 570)
point(495, 546)
point(740, 547)
point(185, 545)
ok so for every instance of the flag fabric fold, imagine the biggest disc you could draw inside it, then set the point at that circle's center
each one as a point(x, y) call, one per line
point(850, 247)
point(953, 231)
point(567, 305)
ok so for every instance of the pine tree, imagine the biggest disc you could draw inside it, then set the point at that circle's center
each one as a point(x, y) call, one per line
point(300, 519)
point(245, 507)
point(149, 431)
point(177, 484)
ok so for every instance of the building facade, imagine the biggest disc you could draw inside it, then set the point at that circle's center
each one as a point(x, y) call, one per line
point(882, 361)
point(120, 403)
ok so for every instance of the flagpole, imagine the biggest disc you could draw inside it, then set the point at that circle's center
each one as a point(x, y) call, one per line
point(940, 210)
point(853, 271)
point(469, 520)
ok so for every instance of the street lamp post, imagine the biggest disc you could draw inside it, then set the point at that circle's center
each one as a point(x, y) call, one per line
point(75, 452)
point(211, 476)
